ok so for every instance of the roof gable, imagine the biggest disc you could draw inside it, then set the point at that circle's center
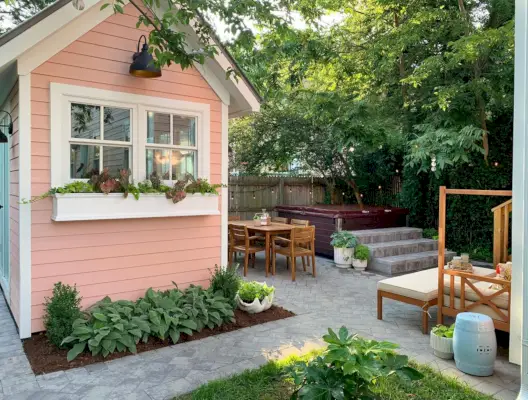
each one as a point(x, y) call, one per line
point(36, 40)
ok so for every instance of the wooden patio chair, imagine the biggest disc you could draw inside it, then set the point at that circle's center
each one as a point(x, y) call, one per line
point(233, 218)
point(301, 222)
point(280, 220)
point(241, 242)
point(301, 244)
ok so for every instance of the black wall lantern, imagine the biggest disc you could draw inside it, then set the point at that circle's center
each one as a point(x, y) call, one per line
point(5, 127)
point(143, 65)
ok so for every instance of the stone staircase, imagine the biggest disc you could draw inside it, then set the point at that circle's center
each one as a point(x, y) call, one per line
point(396, 251)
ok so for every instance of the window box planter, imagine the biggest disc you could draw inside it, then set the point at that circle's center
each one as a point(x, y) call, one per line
point(98, 206)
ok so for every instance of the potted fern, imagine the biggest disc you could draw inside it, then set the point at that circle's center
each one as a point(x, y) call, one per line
point(441, 341)
point(344, 243)
point(361, 256)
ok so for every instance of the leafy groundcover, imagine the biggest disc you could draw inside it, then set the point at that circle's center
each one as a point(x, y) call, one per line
point(45, 357)
point(271, 382)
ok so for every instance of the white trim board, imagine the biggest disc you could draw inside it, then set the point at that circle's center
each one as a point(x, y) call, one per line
point(61, 95)
point(225, 190)
point(24, 173)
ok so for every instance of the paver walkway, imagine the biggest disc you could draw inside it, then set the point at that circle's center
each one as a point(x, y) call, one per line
point(337, 297)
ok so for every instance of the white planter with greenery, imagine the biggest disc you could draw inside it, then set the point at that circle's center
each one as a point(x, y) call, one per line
point(344, 243)
point(361, 257)
point(254, 297)
point(441, 341)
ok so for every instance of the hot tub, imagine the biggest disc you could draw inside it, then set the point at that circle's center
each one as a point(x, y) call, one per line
point(329, 218)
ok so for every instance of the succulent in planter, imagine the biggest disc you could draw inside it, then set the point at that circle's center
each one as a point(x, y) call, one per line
point(361, 257)
point(254, 297)
point(441, 341)
point(344, 243)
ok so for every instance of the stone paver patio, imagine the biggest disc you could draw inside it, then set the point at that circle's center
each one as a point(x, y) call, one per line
point(337, 297)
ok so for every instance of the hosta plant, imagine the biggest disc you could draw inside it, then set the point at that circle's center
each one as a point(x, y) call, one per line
point(349, 368)
point(108, 327)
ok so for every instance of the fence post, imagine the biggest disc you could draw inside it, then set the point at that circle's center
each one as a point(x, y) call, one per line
point(281, 190)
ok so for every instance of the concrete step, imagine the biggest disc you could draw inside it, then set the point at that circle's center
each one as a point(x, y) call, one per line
point(406, 263)
point(387, 235)
point(399, 247)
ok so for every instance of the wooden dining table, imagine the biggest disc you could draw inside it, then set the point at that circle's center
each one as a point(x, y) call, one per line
point(274, 229)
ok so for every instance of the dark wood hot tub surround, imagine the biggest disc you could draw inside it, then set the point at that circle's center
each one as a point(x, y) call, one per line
point(326, 219)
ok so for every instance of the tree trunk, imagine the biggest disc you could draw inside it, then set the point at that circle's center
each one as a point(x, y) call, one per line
point(352, 184)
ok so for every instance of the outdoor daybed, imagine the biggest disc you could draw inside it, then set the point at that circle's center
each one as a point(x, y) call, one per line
point(421, 289)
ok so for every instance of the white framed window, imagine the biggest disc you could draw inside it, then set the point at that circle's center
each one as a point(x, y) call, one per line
point(92, 129)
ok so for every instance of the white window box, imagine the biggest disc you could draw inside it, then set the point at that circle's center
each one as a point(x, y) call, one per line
point(97, 206)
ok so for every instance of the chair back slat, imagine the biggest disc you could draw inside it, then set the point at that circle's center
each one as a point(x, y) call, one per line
point(233, 218)
point(300, 222)
point(237, 234)
point(280, 220)
point(303, 235)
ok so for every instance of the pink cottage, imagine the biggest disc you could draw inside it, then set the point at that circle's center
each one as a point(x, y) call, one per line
point(65, 81)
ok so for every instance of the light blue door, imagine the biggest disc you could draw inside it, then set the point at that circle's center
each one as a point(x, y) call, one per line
point(4, 215)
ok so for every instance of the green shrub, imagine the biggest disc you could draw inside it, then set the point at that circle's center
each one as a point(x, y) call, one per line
point(361, 252)
point(120, 325)
point(443, 331)
point(249, 291)
point(61, 310)
point(226, 281)
point(430, 233)
point(349, 368)
point(343, 239)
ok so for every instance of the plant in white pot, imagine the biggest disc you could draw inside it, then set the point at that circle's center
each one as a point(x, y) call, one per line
point(254, 297)
point(441, 341)
point(344, 243)
point(361, 256)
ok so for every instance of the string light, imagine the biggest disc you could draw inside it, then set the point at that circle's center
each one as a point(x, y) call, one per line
point(496, 163)
point(397, 171)
point(379, 187)
point(254, 197)
point(272, 191)
point(361, 195)
point(433, 163)
point(232, 196)
point(290, 190)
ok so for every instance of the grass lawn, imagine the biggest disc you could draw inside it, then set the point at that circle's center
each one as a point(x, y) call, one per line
point(269, 383)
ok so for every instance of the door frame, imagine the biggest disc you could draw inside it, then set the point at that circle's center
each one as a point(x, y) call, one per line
point(4, 201)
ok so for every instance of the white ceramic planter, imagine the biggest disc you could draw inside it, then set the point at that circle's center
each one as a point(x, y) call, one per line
point(97, 206)
point(442, 346)
point(257, 306)
point(343, 256)
point(359, 265)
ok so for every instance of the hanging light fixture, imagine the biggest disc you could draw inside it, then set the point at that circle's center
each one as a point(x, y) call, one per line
point(143, 65)
point(5, 128)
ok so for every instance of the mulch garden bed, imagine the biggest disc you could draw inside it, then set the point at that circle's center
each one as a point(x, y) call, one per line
point(44, 357)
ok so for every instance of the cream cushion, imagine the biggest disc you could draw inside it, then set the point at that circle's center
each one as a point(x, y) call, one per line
point(421, 285)
point(501, 301)
point(481, 308)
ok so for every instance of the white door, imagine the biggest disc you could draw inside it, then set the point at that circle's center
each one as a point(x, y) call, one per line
point(4, 215)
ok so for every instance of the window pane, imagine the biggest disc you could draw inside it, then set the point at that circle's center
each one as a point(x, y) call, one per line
point(116, 159)
point(182, 164)
point(85, 121)
point(184, 129)
point(116, 124)
point(158, 161)
point(84, 161)
point(158, 128)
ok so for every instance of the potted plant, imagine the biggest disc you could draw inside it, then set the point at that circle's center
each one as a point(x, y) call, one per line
point(344, 243)
point(441, 341)
point(361, 256)
point(254, 297)
point(256, 220)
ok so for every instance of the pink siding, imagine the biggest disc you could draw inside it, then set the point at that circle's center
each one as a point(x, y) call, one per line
point(14, 284)
point(118, 258)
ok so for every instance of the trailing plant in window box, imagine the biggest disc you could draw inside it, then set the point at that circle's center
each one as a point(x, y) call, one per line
point(349, 368)
point(104, 183)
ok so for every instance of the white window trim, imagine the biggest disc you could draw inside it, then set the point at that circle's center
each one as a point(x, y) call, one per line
point(61, 95)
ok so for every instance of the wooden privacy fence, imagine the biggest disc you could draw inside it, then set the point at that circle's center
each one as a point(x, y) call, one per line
point(250, 194)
